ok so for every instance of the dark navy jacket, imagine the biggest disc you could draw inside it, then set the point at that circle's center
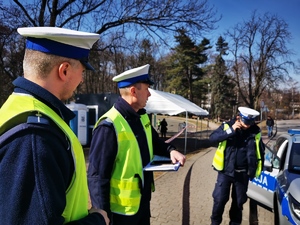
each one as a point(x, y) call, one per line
point(103, 151)
point(240, 152)
point(36, 167)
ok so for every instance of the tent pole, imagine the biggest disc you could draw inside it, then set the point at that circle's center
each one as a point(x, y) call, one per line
point(201, 128)
point(196, 134)
point(186, 125)
point(154, 121)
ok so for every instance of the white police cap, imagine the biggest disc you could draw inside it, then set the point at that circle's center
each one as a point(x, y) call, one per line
point(248, 115)
point(132, 76)
point(61, 42)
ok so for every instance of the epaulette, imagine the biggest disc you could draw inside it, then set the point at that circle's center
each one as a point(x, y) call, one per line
point(41, 119)
point(12, 131)
point(107, 120)
point(38, 118)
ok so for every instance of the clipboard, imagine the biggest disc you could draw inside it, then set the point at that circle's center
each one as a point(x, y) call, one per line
point(161, 163)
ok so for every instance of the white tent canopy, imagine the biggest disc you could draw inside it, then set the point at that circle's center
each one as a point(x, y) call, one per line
point(171, 104)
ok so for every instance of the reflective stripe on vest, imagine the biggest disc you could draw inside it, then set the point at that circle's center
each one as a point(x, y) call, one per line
point(77, 192)
point(127, 176)
point(218, 160)
point(258, 156)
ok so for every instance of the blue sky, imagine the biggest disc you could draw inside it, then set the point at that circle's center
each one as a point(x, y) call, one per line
point(235, 11)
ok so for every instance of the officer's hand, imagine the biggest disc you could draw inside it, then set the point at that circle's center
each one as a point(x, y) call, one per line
point(102, 212)
point(236, 125)
point(177, 157)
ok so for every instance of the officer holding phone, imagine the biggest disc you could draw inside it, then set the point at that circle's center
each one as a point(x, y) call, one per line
point(239, 157)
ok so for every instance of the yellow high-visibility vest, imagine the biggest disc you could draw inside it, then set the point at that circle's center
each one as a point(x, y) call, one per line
point(127, 176)
point(15, 111)
point(218, 160)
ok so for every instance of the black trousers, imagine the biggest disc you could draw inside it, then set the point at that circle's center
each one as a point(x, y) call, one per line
point(142, 217)
point(221, 194)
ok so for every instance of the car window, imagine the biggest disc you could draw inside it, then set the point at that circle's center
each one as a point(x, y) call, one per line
point(294, 163)
point(280, 148)
point(270, 156)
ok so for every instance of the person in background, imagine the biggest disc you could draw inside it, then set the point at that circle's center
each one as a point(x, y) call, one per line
point(163, 128)
point(42, 166)
point(270, 125)
point(158, 125)
point(124, 142)
point(239, 157)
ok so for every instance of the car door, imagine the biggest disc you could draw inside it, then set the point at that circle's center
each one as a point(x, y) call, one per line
point(262, 189)
point(288, 180)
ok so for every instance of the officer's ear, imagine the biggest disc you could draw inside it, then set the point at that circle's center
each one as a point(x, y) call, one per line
point(132, 90)
point(63, 70)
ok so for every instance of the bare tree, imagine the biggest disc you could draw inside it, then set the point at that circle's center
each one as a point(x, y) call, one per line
point(11, 53)
point(121, 23)
point(115, 18)
point(261, 56)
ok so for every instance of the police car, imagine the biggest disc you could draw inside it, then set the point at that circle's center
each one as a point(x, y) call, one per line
point(278, 187)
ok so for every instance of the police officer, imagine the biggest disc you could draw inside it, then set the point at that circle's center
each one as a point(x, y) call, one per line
point(42, 166)
point(123, 143)
point(239, 157)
